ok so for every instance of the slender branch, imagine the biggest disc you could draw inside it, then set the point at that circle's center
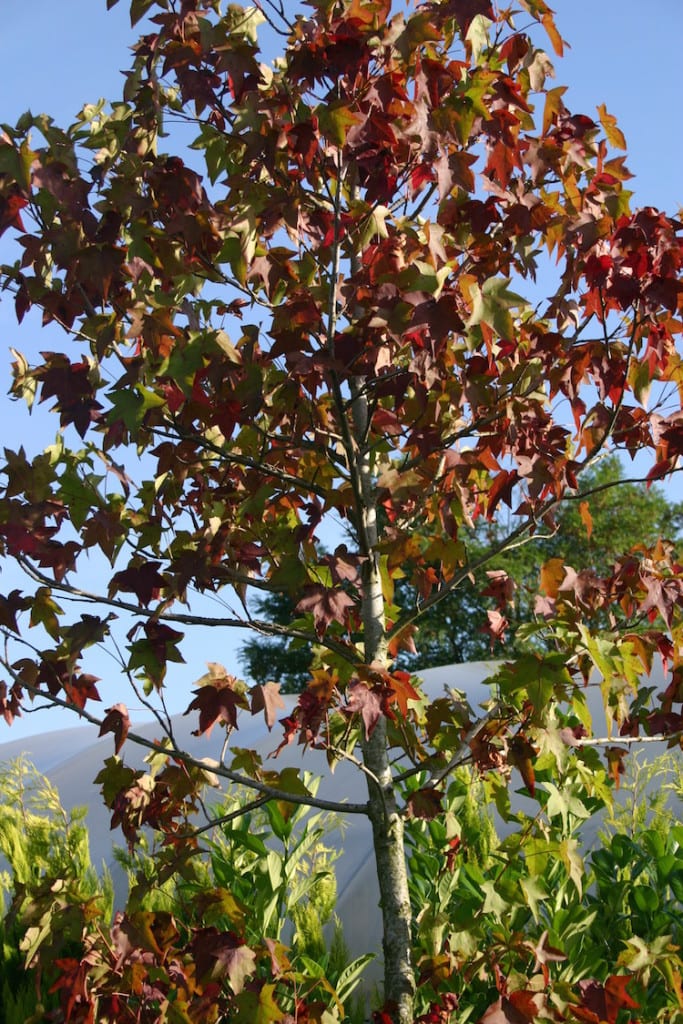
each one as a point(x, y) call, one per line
point(242, 460)
point(269, 792)
point(225, 819)
point(160, 613)
point(601, 741)
point(345, 755)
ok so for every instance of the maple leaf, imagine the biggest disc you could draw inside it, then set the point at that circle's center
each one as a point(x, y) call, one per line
point(328, 604)
point(217, 953)
point(600, 1004)
point(72, 984)
point(80, 687)
point(495, 626)
point(145, 581)
point(266, 697)
point(402, 690)
point(517, 1008)
point(10, 605)
point(367, 702)
point(615, 762)
point(424, 803)
point(546, 954)
point(216, 704)
point(116, 720)
point(521, 753)
point(10, 708)
point(11, 205)
point(464, 11)
point(257, 1007)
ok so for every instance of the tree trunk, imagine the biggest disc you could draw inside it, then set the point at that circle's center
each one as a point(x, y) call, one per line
point(387, 832)
point(387, 823)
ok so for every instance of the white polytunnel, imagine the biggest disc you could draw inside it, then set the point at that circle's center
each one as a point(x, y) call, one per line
point(73, 757)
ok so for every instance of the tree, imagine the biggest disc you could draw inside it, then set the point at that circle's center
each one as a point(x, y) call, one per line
point(617, 517)
point(325, 326)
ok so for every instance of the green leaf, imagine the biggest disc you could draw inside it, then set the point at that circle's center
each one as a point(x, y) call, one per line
point(492, 304)
point(45, 612)
point(535, 892)
point(645, 899)
point(573, 862)
point(335, 120)
point(478, 36)
point(257, 1007)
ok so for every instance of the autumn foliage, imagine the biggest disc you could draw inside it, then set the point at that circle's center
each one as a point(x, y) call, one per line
point(322, 320)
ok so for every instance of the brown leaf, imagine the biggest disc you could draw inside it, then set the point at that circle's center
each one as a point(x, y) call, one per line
point(521, 754)
point(116, 720)
point(513, 1010)
point(266, 697)
point(328, 604)
point(367, 703)
point(586, 518)
point(219, 954)
point(615, 761)
point(424, 803)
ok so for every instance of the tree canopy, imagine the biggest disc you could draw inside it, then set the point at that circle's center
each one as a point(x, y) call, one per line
point(323, 320)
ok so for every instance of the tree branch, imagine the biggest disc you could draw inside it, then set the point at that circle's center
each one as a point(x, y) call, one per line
point(268, 792)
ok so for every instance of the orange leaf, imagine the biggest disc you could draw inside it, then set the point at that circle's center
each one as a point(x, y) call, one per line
point(586, 518)
point(552, 574)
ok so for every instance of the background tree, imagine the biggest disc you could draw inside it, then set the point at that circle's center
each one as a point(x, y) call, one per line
point(325, 332)
point(617, 517)
point(277, 658)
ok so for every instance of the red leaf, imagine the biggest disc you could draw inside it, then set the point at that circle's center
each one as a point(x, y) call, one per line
point(512, 1011)
point(144, 581)
point(328, 604)
point(402, 690)
point(79, 689)
point(216, 704)
point(602, 1003)
point(10, 708)
point(10, 216)
point(116, 720)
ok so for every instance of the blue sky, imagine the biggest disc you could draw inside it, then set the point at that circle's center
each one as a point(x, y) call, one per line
point(54, 57)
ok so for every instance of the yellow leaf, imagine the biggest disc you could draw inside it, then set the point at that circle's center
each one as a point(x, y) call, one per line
point(553, 106)
point(614, 134)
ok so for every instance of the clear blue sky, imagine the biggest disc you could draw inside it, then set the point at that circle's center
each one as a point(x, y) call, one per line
point(56, 56)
